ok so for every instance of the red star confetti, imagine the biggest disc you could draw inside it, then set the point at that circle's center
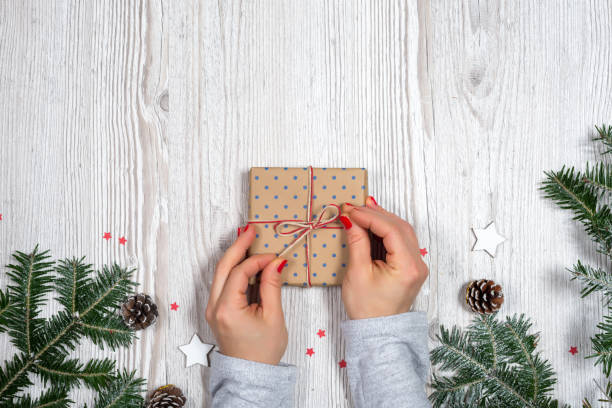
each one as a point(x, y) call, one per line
point(321, 333)
point(0, 217)
point(310, 352)
point(342, 363)
point(573, 350)
point(423, 251)
point(122, 240)
point(107, 236)
point(174, 306)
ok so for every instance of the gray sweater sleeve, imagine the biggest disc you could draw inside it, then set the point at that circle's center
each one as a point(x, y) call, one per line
point(239, 383)
point(388, 360)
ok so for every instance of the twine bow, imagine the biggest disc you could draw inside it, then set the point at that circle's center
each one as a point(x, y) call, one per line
point(305, 228)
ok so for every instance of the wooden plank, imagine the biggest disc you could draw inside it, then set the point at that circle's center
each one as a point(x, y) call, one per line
point(516, 90)
point(260, 83)
point(83, 145)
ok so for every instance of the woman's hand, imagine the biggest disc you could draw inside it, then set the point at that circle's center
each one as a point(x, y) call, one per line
point(378, 288)
point(255, 332)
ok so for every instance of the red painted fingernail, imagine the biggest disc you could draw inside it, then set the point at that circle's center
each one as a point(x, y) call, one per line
point(281, 266)
point(238, 231)
point(346, 222)
point(372, 198)
point(246, 228)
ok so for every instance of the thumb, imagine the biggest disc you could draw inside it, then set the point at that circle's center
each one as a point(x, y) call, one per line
point(357, 239)
point(270, 287)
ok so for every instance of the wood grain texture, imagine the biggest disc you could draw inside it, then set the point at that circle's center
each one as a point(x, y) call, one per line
point(142, 118)
point(83, 144)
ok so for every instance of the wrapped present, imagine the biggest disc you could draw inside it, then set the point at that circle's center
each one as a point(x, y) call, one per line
point(295, 214)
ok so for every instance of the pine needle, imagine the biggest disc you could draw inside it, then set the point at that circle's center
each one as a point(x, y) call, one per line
point(90, 300)
point(587, 194)
point(493, 364)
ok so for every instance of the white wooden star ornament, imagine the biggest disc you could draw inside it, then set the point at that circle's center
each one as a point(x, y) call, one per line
point(487, 239)
point(196, 351)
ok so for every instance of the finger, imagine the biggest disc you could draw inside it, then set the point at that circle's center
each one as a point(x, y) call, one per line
point(234, 255)
point(385, 227)
point(237, 283)
point(406, 227)
point(270, 288)
point(358, 242)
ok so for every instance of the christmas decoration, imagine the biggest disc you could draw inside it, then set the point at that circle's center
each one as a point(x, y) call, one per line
point(89, 302)
point(493, 364)
point(484, 296)
point(587, 194)
point(167, 396)
point(139, 312)
point(197, 352)
point(295, 214)
point(487, 239)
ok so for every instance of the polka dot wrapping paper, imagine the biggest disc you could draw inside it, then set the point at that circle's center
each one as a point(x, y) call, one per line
point(279, 201)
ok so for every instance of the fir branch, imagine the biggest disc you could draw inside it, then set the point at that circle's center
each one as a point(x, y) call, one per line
point(58, 336)
point(607, 395)
point(124, 391)
point(593, 280)
point(96, 374)
point(515, 377)
point(90, 310)
point(604, 135)
point(110, 331)
point(599, 176)
point(602, 345)
point(55, 397)
point(31, 280)
point(14, 377)
point(5, 303)
point(569, 190)
point(108, 290)
point(74, 275)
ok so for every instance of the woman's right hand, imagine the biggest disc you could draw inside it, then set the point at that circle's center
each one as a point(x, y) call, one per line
point(380, 288)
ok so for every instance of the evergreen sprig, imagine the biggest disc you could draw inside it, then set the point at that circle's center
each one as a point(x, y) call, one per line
point(89, 302)
point(587, 195)
point(493, 364)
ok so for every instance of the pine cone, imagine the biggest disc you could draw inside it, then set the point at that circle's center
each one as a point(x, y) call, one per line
point(484, 296)
point(167, 396)
point(139, 311)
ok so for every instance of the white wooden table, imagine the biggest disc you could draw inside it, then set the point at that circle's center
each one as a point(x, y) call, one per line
point(143, 118)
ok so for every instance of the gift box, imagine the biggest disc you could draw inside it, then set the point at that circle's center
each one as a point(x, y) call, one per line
point(295, 214)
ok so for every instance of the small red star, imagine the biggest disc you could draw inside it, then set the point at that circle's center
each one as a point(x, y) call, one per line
point(423, 251)
point(573, 350)
point(0, 217)
point(342, 363)
point(321, 333)
point(106, 236)
point(174, 306)
point(122, 240)
point(310, 352)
